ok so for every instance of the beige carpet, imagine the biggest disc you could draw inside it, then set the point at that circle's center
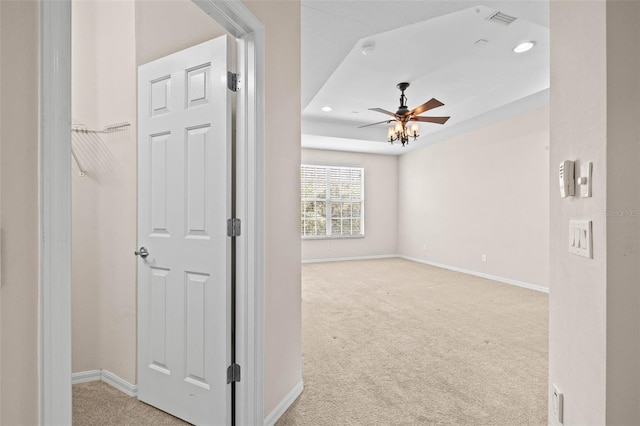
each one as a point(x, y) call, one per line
point(98, 404)
point(393, 342)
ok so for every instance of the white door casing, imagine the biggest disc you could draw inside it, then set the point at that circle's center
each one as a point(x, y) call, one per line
point(184, 200)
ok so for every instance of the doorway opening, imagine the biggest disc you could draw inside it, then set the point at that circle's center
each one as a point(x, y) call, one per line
point(56, 171)
point(110, 181)
point(434, 216)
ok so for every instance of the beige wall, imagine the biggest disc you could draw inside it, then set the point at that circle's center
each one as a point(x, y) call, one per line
point(577, 306)
point(19, 212)
point(188, 23)
point(104, 201)
point(283, 339)
point(623, 218)
point(85, 286)
point(381, 212)
point(483, 192)
point(594, 314)
point(1, 138)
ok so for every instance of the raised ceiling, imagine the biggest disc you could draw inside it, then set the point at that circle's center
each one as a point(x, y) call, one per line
point(447, 49)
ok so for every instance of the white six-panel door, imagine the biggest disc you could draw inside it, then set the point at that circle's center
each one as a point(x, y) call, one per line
point(184, 200)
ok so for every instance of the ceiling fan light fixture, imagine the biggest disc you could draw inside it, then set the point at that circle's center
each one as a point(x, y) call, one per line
point(403, 130)
point(406, 120)
point(524, 46)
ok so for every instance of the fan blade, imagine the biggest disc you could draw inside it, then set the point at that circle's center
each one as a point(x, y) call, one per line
point(384, 111)
point(433, 103)
point(373, 124)
point(439, 120)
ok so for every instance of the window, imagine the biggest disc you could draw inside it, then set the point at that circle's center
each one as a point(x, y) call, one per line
point(332, 203)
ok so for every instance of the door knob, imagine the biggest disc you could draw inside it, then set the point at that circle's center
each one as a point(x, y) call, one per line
point(143, 252)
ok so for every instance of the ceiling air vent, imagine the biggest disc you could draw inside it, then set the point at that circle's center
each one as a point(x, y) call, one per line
point(501, 18)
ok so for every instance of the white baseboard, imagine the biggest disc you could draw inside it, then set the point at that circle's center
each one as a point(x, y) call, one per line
point(106, 376)
point(342, 259)
point(286, 402)
point(119, 383)
point(86, 376)
point(480, 274)
point(438, 265)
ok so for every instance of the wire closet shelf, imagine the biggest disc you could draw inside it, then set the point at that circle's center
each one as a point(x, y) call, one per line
point(80, 129)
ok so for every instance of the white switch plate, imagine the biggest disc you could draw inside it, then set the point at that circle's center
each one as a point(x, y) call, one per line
point(556, 400)
point(580, 241)
point(584, 180)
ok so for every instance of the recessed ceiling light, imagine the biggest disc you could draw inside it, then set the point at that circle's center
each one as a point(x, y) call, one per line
point(524, 46)
point(327, 108)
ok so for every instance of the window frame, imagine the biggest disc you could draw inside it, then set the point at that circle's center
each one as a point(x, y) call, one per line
point(327, 200)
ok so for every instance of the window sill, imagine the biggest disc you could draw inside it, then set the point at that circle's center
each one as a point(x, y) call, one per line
point(334, 237)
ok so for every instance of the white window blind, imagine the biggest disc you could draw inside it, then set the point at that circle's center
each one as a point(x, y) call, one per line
point(332, 201)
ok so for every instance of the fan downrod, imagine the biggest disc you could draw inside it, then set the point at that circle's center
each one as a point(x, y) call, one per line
point(403, 110)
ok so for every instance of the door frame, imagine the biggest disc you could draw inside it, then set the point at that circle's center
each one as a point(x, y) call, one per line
point(54, 194)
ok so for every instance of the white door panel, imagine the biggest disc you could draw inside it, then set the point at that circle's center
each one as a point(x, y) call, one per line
point(184, 200)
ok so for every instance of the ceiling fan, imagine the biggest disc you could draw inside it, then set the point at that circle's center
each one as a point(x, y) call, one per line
point(403, 130)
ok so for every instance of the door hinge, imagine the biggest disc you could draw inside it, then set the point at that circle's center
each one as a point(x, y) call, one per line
point(233, 227)
point(232, 81)
point(233, 373)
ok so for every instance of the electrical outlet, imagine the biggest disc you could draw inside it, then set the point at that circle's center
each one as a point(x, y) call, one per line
point(484, 257)
point(330, 246)
point(557, 401)
point(424, 247)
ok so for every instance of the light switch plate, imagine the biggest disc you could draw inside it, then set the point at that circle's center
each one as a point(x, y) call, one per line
point(584, 180)
point(580, 241)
